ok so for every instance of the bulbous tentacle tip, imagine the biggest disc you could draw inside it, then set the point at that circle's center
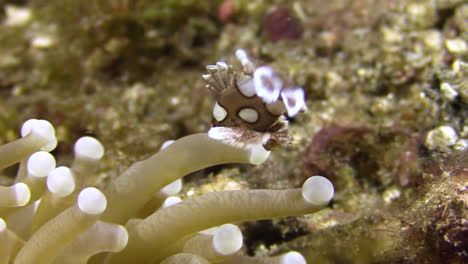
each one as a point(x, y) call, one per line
point(23, 193)
point(122, 239)
point(89, 147)
point(227, 239)
point(172, 188)
point(92, 201)
point(317, 190)
point(60, 181)
point(42, 128)
point(293, 257)
point(258, 154)
point(40, 164)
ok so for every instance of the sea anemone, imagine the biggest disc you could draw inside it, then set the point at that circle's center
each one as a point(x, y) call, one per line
point(73, 222)
point(57, 215)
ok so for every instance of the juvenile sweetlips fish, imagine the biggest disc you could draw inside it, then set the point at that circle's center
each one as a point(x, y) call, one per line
point(252, 104)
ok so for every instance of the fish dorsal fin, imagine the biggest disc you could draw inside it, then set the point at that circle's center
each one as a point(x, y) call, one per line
point(220, 77)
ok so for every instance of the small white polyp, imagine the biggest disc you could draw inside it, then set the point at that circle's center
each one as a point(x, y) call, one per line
point(317, 190)
point(42, 41)
point(293, 257)
point(60, 181)
point(171, 201)
point(40, 164)
point(22, 193)
point(172, 188)
point(258, 154)
point(89, 147)
point(92, 201)
point(16, 16)
point(227, 239)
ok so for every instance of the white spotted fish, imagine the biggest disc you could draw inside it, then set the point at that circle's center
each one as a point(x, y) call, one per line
point(251, 104)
